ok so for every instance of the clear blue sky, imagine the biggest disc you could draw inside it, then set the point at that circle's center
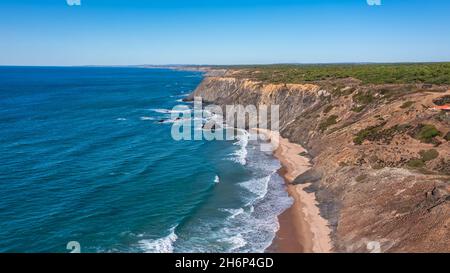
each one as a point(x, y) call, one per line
point(121, 32)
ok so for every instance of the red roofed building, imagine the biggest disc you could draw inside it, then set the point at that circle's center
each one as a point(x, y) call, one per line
point(443, 107)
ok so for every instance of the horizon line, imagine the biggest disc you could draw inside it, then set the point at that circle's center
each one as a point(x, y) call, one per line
point(223, 65)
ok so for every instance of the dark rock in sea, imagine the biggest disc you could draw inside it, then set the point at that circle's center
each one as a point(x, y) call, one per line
point(187, 99)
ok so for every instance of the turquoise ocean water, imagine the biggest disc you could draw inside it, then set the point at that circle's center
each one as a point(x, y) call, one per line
point(83, 157)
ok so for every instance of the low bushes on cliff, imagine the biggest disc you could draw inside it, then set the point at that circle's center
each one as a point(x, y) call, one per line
point(428, 155)
point(426, 133)
point(407, 104)
point(430, 73)
point(425, 156)
point(377, 133)
point(331, 120)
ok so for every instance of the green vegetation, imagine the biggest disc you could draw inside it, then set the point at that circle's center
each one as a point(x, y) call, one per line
point(423, 132)
point(358, 109)
point(407, 104)
point(331, 120)
point(367, 133)
point(425, 156)
point(363, 98)
point(416, 163)
point(376, 133)
point(429, 73)
point(426, 133)
point(428, 155)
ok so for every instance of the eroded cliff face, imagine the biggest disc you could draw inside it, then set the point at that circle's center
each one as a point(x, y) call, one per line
point(380, 154)
point(293, 99)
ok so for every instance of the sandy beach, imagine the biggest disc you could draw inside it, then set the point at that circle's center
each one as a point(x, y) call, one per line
point(302, 229)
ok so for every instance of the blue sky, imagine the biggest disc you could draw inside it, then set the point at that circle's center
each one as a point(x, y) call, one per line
point(122, 32)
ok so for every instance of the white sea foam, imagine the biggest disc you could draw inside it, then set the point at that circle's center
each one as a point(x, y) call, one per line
point(248, 228)
point(252, 229)
point(167, 111)
point(237, 241)
point(121, 119)
point(258, 186)
point(161, 111)
point(251, 225)
point(234, 212)
point(147, 118)
point(216, 179)
point(241, 153)
point(161, 245)
point(179, 95)
point(257, 222)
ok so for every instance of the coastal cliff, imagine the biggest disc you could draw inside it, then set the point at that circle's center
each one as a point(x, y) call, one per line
point(380, 155)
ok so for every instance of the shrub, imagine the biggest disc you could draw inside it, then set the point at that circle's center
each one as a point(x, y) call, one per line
point(363, 98)
point(426, 133)
point(375, 133)
point(367, 133)
point(331, 120)
point(430, 73)
point(416, 163)
point(358, 109)
point(407, 104)
point(429, 155)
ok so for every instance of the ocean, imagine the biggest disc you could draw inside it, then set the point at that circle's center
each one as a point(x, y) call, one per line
point(85, 158)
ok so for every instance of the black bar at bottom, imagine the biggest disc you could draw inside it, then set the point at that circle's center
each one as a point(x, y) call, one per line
point(224, 262)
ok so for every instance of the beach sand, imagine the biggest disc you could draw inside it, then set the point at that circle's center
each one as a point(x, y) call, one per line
point(302, 229)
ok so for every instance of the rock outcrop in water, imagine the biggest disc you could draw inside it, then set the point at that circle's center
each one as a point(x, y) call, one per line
point(381, 158)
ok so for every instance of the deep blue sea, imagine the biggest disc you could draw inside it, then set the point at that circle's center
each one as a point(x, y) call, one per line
point(83, 157)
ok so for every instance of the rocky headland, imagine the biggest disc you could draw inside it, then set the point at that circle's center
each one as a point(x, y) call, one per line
point(380, 154)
